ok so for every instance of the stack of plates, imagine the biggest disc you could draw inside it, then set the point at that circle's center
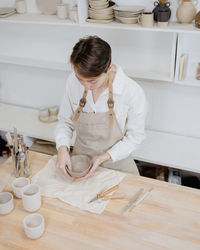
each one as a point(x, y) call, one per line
point(128, 14)
point(101, 10)
point(4, 12)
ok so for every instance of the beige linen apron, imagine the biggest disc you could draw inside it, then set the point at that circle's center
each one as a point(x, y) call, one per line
point(96, 134)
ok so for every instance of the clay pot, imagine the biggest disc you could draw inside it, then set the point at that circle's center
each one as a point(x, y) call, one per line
point(186, 11)
point(161, 8)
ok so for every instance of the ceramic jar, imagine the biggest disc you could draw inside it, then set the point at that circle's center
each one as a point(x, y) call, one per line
point(186, 11)
point(161, 8)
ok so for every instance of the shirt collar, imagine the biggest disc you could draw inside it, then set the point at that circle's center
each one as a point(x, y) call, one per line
point(118, 83)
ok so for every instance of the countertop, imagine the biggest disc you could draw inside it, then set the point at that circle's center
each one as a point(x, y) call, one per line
point(169, 218)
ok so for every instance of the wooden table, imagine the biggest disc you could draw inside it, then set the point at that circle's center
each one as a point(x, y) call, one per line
point(169, 218)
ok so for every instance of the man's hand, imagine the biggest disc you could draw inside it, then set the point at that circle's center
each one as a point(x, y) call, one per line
point(63, 160)
point(95, 162)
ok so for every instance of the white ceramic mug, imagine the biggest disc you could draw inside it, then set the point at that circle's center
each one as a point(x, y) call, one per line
point(62, 11)
point(6, 202)
point(31, 197)
point(146, 19)
point(34, 225)
point(21, 6)
point(18, 184)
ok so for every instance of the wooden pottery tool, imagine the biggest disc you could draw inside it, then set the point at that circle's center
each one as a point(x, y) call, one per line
point(101, 195)
point(132, 200)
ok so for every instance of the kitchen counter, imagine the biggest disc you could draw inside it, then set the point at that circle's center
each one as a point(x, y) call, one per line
point(168, 218)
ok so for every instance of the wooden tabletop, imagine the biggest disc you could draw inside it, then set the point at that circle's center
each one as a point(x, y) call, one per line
point(169, 218)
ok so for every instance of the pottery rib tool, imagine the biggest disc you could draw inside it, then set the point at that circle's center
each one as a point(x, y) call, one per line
point(101, 195)
point(132, 200)
point(141, 199)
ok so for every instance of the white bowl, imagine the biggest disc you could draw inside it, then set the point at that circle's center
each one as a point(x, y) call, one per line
point(34, 225)
point(18, 184)
point(130, 8)
point(6, 202)
point(126, 20)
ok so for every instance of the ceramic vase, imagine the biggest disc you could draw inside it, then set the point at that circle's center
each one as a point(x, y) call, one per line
point(186, 11)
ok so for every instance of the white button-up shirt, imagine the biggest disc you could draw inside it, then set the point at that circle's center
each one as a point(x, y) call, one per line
point(129, 108)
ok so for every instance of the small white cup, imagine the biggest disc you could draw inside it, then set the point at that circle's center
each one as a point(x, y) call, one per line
point(6, 202)
point(21, 6)
point(73, 15)
point(31, 197)
point(34, 225)
point(62, 11)
point(44, 114)
point(18, 184)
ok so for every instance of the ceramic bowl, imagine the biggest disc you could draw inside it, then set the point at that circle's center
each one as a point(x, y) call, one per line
point(80, 165)
point(127, 20)
point(34, 225)
point(18, 184)
point(98, 3)
point(6, 202)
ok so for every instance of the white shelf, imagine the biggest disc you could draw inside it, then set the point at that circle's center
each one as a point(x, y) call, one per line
point(189, 82)
point(53, 20)
point(44, 64)
point(170, 150)
point(152, 75)
point(26, 121)
point(30, 18)
point(173, 27)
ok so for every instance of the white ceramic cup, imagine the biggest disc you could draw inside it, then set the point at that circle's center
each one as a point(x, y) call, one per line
point(146, 19)
point(62, 11)
point(6, 202)
point(21, 6)
point(73, 15)
point(53, 112)
point(31, 197)
point(44, 114)
point(34, 225)
point(18, 184)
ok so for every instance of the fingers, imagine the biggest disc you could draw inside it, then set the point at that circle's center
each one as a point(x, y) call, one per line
point(62, 168)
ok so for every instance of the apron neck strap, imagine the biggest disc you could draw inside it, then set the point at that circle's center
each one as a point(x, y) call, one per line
point(81, 105)
point(110, 101)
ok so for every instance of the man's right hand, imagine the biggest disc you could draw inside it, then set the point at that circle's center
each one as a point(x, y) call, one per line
point(63, 160)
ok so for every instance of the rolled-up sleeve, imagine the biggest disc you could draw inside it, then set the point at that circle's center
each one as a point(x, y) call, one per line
point(64, 128)
point(134, 129)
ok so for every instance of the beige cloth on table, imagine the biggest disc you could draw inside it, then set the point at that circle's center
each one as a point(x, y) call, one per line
point(53, 183)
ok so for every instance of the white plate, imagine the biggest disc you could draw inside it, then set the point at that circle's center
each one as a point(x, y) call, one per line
point(48, 7)
point(130, 8)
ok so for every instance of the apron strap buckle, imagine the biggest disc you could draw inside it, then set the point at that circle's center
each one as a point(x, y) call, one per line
point(110, 103)
point(82, 102)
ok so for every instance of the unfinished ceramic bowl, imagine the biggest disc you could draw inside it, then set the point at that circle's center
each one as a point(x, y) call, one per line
point(80, 165)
